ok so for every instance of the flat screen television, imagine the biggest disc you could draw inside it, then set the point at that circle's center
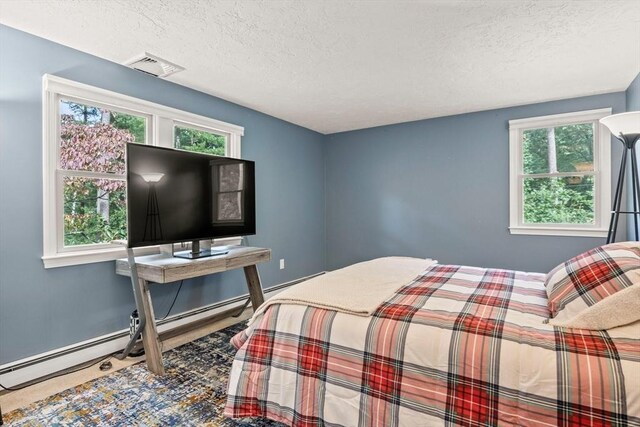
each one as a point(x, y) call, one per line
point(179, 196)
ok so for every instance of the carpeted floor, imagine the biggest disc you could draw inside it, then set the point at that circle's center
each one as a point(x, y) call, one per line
point(193, 393)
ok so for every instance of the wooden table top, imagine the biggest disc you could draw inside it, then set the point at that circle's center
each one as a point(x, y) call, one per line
point(164, 268)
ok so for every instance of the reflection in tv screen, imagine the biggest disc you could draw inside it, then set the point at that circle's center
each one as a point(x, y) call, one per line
point(228, 192)
point(180, 196)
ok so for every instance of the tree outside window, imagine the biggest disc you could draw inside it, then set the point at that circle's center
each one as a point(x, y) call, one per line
point(558, 186)
point(200, 141)
point(93, 140)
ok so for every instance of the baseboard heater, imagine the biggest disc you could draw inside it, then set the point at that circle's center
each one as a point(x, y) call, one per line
point(31, 362)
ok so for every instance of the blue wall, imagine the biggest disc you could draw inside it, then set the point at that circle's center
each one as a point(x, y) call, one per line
point(434, 188)
point(40, 309)
point(439, 188)
point(633, 104)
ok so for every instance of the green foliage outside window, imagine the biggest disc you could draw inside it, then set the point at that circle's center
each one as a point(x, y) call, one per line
point(556, 201)
point(574, 147)
point(134, 125)
point(83, 223)
point(559, 200)
point(199, 141)
point(93, 139)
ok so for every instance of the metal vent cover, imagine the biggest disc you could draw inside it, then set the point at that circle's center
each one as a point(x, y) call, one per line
point(154, 65)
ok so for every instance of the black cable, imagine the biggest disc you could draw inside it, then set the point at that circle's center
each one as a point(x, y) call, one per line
point(174, 300)
point(59, 374)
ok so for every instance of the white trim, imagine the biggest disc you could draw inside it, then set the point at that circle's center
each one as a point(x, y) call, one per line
point(111, 343)
point(91, 255)
point(86, 92)
point(49, 167)
point(564, 118)
point(234, 145)
point(602, 173)
point(160, 122)
point(163, 126)
point(559, 231)
point(109, 252)
point(92, 175)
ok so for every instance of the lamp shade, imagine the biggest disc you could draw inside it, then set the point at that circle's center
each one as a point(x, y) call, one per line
point(624, 123)
point(152, 177)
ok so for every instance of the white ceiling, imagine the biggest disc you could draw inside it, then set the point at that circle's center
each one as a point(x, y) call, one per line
point(339, 65)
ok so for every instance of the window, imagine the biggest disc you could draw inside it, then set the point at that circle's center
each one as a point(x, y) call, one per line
point(86, 130)
point(560, 179)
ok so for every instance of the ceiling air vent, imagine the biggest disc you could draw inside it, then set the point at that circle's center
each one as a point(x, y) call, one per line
point(151, 64)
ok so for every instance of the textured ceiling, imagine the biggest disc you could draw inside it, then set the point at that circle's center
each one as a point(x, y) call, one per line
point(340, 65)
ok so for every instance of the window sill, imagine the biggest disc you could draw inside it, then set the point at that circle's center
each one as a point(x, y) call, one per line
point(66, 259)
point(559, 231)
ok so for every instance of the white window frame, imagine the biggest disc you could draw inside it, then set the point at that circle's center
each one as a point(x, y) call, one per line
point(601, 172)
point(161, 121)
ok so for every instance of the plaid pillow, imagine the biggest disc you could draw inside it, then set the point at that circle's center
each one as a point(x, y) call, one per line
point(592, 281)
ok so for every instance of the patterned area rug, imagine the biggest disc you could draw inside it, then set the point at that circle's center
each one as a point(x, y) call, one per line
point(193, 393)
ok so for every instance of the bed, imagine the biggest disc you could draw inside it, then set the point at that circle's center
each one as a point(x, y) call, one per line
point(457, 345)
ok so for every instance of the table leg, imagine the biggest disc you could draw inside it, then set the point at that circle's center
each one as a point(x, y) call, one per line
point(150, 338)
point(255, 288)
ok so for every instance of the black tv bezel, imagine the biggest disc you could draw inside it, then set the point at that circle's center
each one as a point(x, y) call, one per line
point(250, 193)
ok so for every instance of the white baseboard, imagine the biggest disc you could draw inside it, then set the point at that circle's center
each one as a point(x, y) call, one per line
point(41, 365)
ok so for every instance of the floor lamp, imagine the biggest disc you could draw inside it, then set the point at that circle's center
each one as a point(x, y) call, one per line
point(152, 223)
point(625, 127)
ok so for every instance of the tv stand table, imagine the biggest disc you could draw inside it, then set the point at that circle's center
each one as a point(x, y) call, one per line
point(164, 268)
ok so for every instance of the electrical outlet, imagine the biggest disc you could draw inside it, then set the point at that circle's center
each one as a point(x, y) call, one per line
point(282, 264)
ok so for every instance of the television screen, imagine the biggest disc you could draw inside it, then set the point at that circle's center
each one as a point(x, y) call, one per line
point(179, 196)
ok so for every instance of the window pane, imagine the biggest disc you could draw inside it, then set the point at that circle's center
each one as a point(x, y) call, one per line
point(199, 141)
point(561, 149)
point(566, 200)
point(574, 147)
point(94, 139)
point(229, 207)
point(535, 151)
point(95, 211)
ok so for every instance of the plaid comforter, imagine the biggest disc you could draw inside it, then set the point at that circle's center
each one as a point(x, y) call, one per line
point(458, 346)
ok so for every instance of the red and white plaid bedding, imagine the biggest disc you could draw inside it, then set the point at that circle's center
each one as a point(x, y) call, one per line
point(458, 346)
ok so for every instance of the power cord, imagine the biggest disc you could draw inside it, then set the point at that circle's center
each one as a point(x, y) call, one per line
point(174, 300)
point(60, 374)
